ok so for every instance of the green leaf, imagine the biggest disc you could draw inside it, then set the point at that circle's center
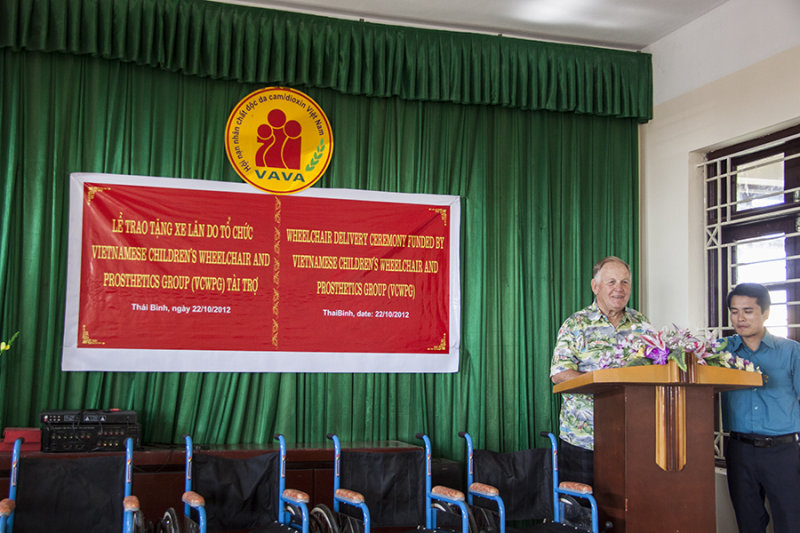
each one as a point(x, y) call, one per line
point(679, 356)
point(317, 156)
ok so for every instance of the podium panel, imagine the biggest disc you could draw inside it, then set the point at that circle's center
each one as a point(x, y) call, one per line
point(632, 490)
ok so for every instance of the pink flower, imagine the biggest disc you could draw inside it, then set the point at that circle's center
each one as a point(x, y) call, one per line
point(656, 348)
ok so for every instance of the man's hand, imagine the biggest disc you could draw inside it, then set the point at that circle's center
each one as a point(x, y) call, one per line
point(565, 375)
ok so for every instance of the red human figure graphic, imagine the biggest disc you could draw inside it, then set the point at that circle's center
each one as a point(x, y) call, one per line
point(273, 157)
point(265, 139)
point(292, 144)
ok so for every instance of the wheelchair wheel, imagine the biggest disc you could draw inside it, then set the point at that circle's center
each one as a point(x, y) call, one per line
point(169, 522)
point(574, 514)
point(351, 525)
point(322, 520)
point(455, 513)
point(486, 520)
point(138, 522)
point(295, 515)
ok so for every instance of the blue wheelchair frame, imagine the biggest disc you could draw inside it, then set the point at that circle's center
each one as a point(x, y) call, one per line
point(298, 499)
point(439, 493)
point(482, 490)
point(558, 507)
point(558, 490)
point(130, 503)
point(351, 498)
point(9, 504)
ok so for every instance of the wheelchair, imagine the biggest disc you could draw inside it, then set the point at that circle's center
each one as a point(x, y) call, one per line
point(397, 486)
point(85, 495)
point(238, 494)
point(527, 482)
point(446, 501)
point(325, 520)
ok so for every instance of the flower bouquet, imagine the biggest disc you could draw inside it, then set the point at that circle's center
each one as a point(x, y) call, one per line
point(657, 347)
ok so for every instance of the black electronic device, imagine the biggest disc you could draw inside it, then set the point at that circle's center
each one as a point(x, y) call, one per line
point(88, 437)
point(88, 430)
point(88, 416)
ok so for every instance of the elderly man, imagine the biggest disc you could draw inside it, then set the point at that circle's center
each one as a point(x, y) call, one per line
point(763, 455)
point(585, 340)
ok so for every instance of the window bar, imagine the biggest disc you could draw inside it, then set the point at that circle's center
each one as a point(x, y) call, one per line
point(758, 148)
point(754, 240)
point(762, 261)
point(732, 172)
point(782, 192)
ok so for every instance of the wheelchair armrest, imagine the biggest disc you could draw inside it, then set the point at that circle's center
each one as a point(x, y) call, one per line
point(574, 486)
point(193, 500)
point(447, 493)
point(130, 503)
point(349, 496)
point(296, 496)
point(482, 489)
point(7, 506)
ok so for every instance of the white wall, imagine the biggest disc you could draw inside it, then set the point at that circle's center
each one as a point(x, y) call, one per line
point(735, 35)
point(733, 74)
point(759, 96)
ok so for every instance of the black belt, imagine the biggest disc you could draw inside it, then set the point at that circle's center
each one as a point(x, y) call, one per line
point(765, 441)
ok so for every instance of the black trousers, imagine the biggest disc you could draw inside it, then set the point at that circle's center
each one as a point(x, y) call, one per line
point(575, 464)
point(757, 472)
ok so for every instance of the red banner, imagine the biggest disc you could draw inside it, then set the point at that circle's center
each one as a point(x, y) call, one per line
point(171, 272)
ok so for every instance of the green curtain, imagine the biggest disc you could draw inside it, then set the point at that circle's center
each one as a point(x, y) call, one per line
point(544, 195)
point(244, 44)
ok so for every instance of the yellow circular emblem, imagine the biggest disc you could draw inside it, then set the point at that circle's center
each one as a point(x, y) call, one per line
point(279, 140)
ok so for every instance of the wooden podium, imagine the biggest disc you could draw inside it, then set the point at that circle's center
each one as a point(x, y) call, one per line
point(654, 443)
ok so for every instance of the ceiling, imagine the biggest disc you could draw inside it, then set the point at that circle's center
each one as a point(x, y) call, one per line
point(625, 24)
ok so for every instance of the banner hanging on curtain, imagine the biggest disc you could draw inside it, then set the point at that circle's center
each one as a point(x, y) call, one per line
point(170, 274)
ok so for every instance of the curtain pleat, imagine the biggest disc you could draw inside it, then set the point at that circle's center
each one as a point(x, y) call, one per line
point(252, 45)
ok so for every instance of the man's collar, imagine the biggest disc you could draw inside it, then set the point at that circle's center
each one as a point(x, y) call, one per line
point(734, 341)
point(768, 339)
point(596, 313)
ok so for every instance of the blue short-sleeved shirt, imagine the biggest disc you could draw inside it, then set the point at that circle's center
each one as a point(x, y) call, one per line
point(773, 408)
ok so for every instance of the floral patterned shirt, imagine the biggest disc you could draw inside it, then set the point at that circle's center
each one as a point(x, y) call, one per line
point(587, 341)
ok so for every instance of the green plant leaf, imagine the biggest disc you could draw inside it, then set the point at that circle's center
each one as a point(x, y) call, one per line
point(679, 356)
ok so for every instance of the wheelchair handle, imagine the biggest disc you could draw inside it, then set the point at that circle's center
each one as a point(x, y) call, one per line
point(544, 433)
point(420, 435)
point(462, 433)
point(330, 435)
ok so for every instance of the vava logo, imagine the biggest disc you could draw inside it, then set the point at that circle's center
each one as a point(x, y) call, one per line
point(279, 140)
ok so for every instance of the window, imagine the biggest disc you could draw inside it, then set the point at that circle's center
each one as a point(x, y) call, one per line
point(752, 230)
point(752, 233)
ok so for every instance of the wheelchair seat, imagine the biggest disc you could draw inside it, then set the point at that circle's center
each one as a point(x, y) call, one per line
point(392, 483)
point(529, 487)
point(246, 494)
point(87, 494)
point(239, 493)
point(524, 479)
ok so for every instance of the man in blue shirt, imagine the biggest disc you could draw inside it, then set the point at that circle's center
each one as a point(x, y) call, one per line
point(763, 455)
